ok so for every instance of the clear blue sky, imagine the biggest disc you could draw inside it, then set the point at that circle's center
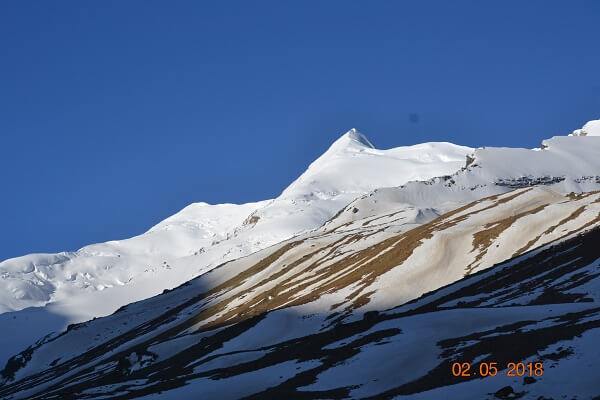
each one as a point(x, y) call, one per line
point(116, 114)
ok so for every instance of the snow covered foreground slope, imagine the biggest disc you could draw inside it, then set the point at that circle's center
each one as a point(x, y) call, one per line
point(98, 279)
point(299, 319)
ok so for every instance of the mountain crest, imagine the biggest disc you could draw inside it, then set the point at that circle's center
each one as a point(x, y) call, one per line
point(354, 135)
point(351, 140)
point(591, 128)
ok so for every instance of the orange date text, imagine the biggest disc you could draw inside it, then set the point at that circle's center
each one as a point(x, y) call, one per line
point(465, 369)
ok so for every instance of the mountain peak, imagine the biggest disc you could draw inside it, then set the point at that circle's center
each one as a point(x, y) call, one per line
point(591, 128)
point(355, 136)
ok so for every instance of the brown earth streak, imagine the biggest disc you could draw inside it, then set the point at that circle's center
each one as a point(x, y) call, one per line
point(579, 196)
point(529, 244)
point(357, 270)
point(482, 240)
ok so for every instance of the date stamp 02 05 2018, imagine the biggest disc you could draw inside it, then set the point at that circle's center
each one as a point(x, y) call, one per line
point(464, 369)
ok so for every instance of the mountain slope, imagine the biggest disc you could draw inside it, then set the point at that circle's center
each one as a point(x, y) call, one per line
point(98, 279)
point(309, 293)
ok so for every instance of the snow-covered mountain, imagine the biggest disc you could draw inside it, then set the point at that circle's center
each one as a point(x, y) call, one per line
point(565, 163)
point(202, 236)
point(55, 290)
point(289, 295)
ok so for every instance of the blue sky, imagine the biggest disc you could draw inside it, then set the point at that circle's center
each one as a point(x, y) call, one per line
point(114, 115)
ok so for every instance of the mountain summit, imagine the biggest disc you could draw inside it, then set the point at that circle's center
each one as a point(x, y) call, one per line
point(352, 137)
